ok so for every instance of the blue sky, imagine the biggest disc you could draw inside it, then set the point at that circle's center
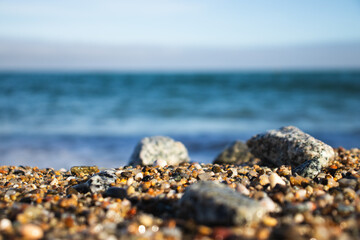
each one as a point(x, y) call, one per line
point(176, 26)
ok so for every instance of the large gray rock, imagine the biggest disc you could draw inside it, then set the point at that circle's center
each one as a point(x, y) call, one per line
point(236, 153)
point(216, 204)
point(290, 146)
point(151, 149)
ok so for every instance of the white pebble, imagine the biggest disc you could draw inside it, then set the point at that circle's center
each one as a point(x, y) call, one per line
point(142, 229)
point(5, 224)
point(139, 176)
point(129, 181)
point(31, 231)
point(197, 166)
point(276, 179)
point(300, 194)
point(54, 182)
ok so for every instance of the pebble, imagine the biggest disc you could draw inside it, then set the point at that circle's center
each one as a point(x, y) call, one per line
point(101, 181)
point(274, 179)
point(204, 176)
point(264, 179)
point(139, 176)
point(83, 170)
point(31, 232)
point(5, 224)
point(269, 221)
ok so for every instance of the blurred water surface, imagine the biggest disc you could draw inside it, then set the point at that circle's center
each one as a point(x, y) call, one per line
point(60, 120)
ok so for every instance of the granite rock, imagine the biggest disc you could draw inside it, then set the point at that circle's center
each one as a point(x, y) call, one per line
point(101, 181)
point(236, 153)
point(216, 204)
point(290, 146)
point(159, 148)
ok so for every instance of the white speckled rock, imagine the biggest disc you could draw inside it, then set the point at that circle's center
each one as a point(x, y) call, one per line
point(290, 146)
point(217, 204)
point(158, 148)
point(101, 181)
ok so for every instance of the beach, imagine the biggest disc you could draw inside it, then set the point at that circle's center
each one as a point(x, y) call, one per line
point(144, 202)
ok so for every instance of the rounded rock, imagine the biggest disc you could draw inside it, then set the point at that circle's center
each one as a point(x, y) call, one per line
point(31, 231)
point(151, 149)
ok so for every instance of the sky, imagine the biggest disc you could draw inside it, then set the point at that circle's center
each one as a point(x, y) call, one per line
point(179, 35)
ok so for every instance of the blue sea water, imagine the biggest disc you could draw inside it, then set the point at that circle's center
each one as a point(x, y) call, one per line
point(65, 119)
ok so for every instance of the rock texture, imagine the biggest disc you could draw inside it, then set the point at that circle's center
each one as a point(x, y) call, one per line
point(290, 146)
point(216, 204)
point(98, 183)
point(237, 153)
point(159, 149)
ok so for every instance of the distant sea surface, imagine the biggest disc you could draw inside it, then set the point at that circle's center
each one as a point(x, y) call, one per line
point(60, 120)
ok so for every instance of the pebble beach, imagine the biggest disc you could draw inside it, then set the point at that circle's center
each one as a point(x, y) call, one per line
point(250, 200)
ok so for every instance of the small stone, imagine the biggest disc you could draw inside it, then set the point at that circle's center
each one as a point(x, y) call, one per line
point(126, 174)
point(264, 179)
point(204, 176)
point(5, 224)
point(269, 221)
point(139, 176)
point(54, 182)
point(31, 231)
point(290, 146)
point(275, 179)
point(202, 202)
point(332, 183)
point(242, 189)
point(146, 220)
point(298, 181)
point(116, 192)
point(236, 153)
point(101, 181)
point(151, 149)
point(84, 170)
point(130, 190)
point(216, 169)
point(300, 194)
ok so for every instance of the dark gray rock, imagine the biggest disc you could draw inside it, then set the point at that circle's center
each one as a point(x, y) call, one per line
point(81, 188)
point(151, 149)
point(115, 192)
point(236, 153)
point(216, 204)
point(290, 146)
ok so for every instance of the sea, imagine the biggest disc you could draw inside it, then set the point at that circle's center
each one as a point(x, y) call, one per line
point(59, 120)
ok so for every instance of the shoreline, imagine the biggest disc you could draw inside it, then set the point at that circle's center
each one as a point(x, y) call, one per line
point(47, 202)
